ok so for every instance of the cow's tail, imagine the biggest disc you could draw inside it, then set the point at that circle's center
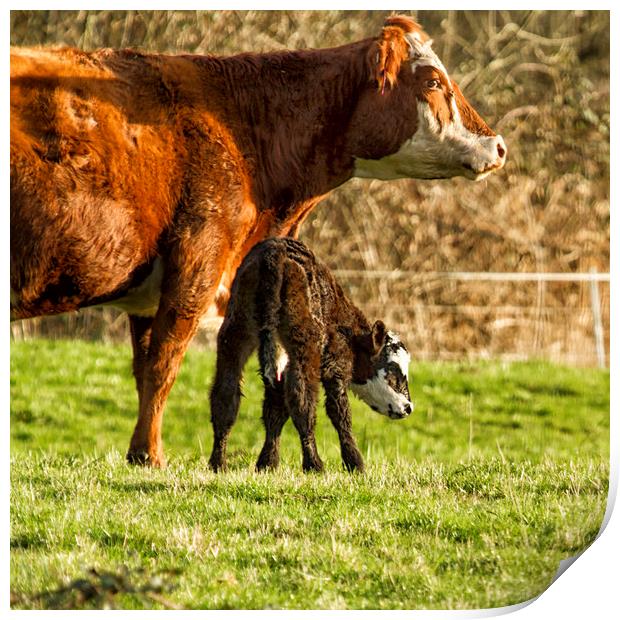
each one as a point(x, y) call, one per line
point(271, 354)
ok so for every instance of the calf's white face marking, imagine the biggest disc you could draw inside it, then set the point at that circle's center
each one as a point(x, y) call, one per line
point(436, 150)
point(387, 391)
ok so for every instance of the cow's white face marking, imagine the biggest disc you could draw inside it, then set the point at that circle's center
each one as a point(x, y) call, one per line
point(387, 391)
point(436, 151)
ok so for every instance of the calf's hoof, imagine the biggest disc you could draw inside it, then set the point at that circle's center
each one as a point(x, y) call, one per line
point(142, 457)
point(355, 467)
point(267, 460)
point(217, 465)
point(316, 465)
point(261, 466)
point(354, 463)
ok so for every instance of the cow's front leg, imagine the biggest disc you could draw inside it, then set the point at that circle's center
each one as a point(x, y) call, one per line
point(339, 412)
point(188, 290)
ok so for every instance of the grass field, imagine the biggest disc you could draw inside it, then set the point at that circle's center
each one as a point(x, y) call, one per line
point(501, 472)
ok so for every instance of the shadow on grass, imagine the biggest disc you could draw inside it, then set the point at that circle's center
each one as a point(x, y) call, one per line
point(145, 486)
point(27, 542)
point(103, 590)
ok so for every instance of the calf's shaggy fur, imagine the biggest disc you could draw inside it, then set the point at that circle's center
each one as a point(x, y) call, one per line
point(287, 303)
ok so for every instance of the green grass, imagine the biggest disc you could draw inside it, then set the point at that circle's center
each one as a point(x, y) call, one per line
point(501, 472)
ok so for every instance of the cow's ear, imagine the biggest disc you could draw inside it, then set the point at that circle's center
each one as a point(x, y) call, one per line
point(386, 56)
point(378, 334)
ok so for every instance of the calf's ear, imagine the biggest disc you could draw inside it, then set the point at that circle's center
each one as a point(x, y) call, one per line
point(369, 343)
point(378, 336)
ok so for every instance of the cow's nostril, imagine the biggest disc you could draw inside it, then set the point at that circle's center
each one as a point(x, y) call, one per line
point(501, 148)
point(407, 408)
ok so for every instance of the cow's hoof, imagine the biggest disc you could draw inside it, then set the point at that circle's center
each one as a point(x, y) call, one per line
point(142, 457)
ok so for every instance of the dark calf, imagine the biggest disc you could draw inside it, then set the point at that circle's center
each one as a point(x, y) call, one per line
point(287, 303)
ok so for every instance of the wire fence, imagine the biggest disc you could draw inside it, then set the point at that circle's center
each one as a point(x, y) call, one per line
point(426, 309)
point(510, 316)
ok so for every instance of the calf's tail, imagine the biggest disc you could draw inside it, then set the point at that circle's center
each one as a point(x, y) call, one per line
point(271, 355)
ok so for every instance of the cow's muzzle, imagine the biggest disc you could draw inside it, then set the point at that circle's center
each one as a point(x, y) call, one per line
point(491, 157)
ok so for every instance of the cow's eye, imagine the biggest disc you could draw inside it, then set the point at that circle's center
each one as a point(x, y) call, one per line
point(433, 84)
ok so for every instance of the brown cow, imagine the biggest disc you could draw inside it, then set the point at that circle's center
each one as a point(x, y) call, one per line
point(142, 180)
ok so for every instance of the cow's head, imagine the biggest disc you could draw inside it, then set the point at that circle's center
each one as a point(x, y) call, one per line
point(380, 372)
point(418, 123)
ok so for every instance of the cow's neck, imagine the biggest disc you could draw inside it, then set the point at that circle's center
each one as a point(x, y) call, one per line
point(292, 110)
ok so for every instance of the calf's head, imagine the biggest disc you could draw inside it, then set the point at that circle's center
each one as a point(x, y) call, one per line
point(417, 123)
point(380, 371)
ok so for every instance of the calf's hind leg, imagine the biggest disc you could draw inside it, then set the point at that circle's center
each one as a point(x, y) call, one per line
point(301, 388)
point(275, 416)
point(301, 382)
point(234, 346)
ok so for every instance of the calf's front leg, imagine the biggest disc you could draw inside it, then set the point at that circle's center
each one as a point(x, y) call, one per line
point(339, 412)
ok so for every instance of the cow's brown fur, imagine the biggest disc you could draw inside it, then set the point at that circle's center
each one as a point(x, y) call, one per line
point(121, 158)
point(284, 299)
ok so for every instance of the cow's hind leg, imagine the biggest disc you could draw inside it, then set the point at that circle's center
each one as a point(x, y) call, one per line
point(187, 291)
point(140, 328)
point(169, 341)
point(234, 346)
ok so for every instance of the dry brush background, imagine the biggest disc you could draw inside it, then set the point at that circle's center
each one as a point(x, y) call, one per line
point(540, 78)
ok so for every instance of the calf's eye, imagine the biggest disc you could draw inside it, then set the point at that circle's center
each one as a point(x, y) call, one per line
point(433, 84)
